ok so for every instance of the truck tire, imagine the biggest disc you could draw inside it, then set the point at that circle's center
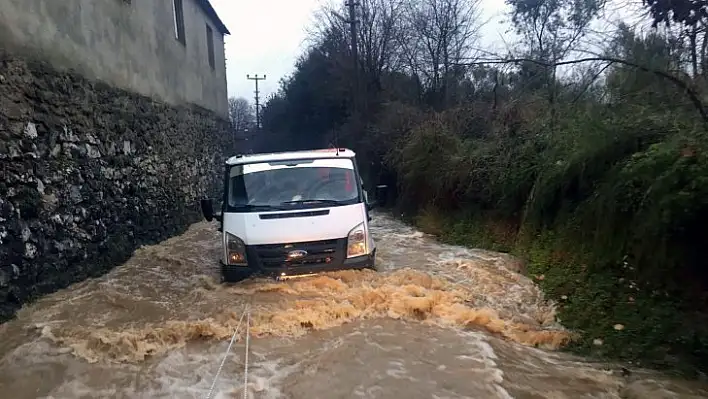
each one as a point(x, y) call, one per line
point(230, 275)
point(374, 265)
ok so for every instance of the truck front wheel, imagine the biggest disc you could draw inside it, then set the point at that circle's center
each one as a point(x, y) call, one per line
point(233, 275)
point(374, 266)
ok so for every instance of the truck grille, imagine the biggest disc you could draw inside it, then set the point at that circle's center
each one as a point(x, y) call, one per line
point(317, 253)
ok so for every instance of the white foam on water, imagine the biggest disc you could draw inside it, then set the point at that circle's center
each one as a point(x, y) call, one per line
point(190, 375)
point(484, 353)
point(369, 392)
point(398, 370)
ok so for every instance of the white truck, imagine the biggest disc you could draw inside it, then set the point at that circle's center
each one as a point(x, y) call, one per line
point(293, 213)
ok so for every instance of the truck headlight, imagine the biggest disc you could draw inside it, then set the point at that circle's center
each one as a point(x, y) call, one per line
point(357, 242)
point(235, 250)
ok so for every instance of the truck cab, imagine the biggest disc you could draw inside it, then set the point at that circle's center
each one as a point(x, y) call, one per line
point(293, 213)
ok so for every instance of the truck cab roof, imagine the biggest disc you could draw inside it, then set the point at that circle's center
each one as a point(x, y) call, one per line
point(292, 155)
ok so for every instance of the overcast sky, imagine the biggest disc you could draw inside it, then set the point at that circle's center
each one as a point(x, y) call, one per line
point(268, 35)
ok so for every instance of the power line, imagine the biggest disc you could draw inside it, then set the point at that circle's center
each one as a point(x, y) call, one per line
point(257, 96)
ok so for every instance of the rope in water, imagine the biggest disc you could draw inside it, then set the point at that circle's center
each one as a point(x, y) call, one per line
point(246, 311)
point(245, 361)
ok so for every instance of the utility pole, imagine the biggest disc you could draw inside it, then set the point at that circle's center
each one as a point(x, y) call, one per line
point(258, 105)
point(352, 4)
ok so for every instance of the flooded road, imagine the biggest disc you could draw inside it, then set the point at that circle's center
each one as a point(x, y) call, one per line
point(436, 321)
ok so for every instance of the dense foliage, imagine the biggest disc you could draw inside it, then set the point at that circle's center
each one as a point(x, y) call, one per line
point(593, 170)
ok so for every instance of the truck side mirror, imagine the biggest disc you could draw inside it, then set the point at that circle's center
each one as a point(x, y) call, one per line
point(381, 191)
point(208, 209)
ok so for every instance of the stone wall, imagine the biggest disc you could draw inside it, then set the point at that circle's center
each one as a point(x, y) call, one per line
point(89, 173)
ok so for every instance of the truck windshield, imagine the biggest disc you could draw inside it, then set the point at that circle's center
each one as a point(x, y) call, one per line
point(305, 184)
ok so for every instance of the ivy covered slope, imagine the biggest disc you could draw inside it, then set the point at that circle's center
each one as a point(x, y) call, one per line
point(583, 152)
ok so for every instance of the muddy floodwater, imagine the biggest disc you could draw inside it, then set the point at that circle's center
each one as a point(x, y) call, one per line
point(436, 321)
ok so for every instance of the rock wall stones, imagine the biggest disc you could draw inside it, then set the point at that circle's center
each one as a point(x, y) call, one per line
point(89, 173)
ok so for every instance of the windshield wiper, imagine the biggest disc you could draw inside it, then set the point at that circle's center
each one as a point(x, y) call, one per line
point(314, 201)
point(256, 208)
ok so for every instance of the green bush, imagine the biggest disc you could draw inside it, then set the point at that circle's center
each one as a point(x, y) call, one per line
point(608, 209)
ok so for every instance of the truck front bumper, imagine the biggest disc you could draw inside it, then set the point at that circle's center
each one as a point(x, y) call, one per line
point(358, 263)
point(287, 269)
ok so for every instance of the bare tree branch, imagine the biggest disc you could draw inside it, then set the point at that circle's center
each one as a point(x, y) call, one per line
point(681, 84)
point(241, 113)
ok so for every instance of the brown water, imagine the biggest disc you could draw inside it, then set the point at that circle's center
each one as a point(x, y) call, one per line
point(437, 321)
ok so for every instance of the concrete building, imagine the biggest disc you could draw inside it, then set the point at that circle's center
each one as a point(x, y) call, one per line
point(171, 50)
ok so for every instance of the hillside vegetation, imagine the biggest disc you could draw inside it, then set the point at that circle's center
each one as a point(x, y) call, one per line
point(583, 152)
